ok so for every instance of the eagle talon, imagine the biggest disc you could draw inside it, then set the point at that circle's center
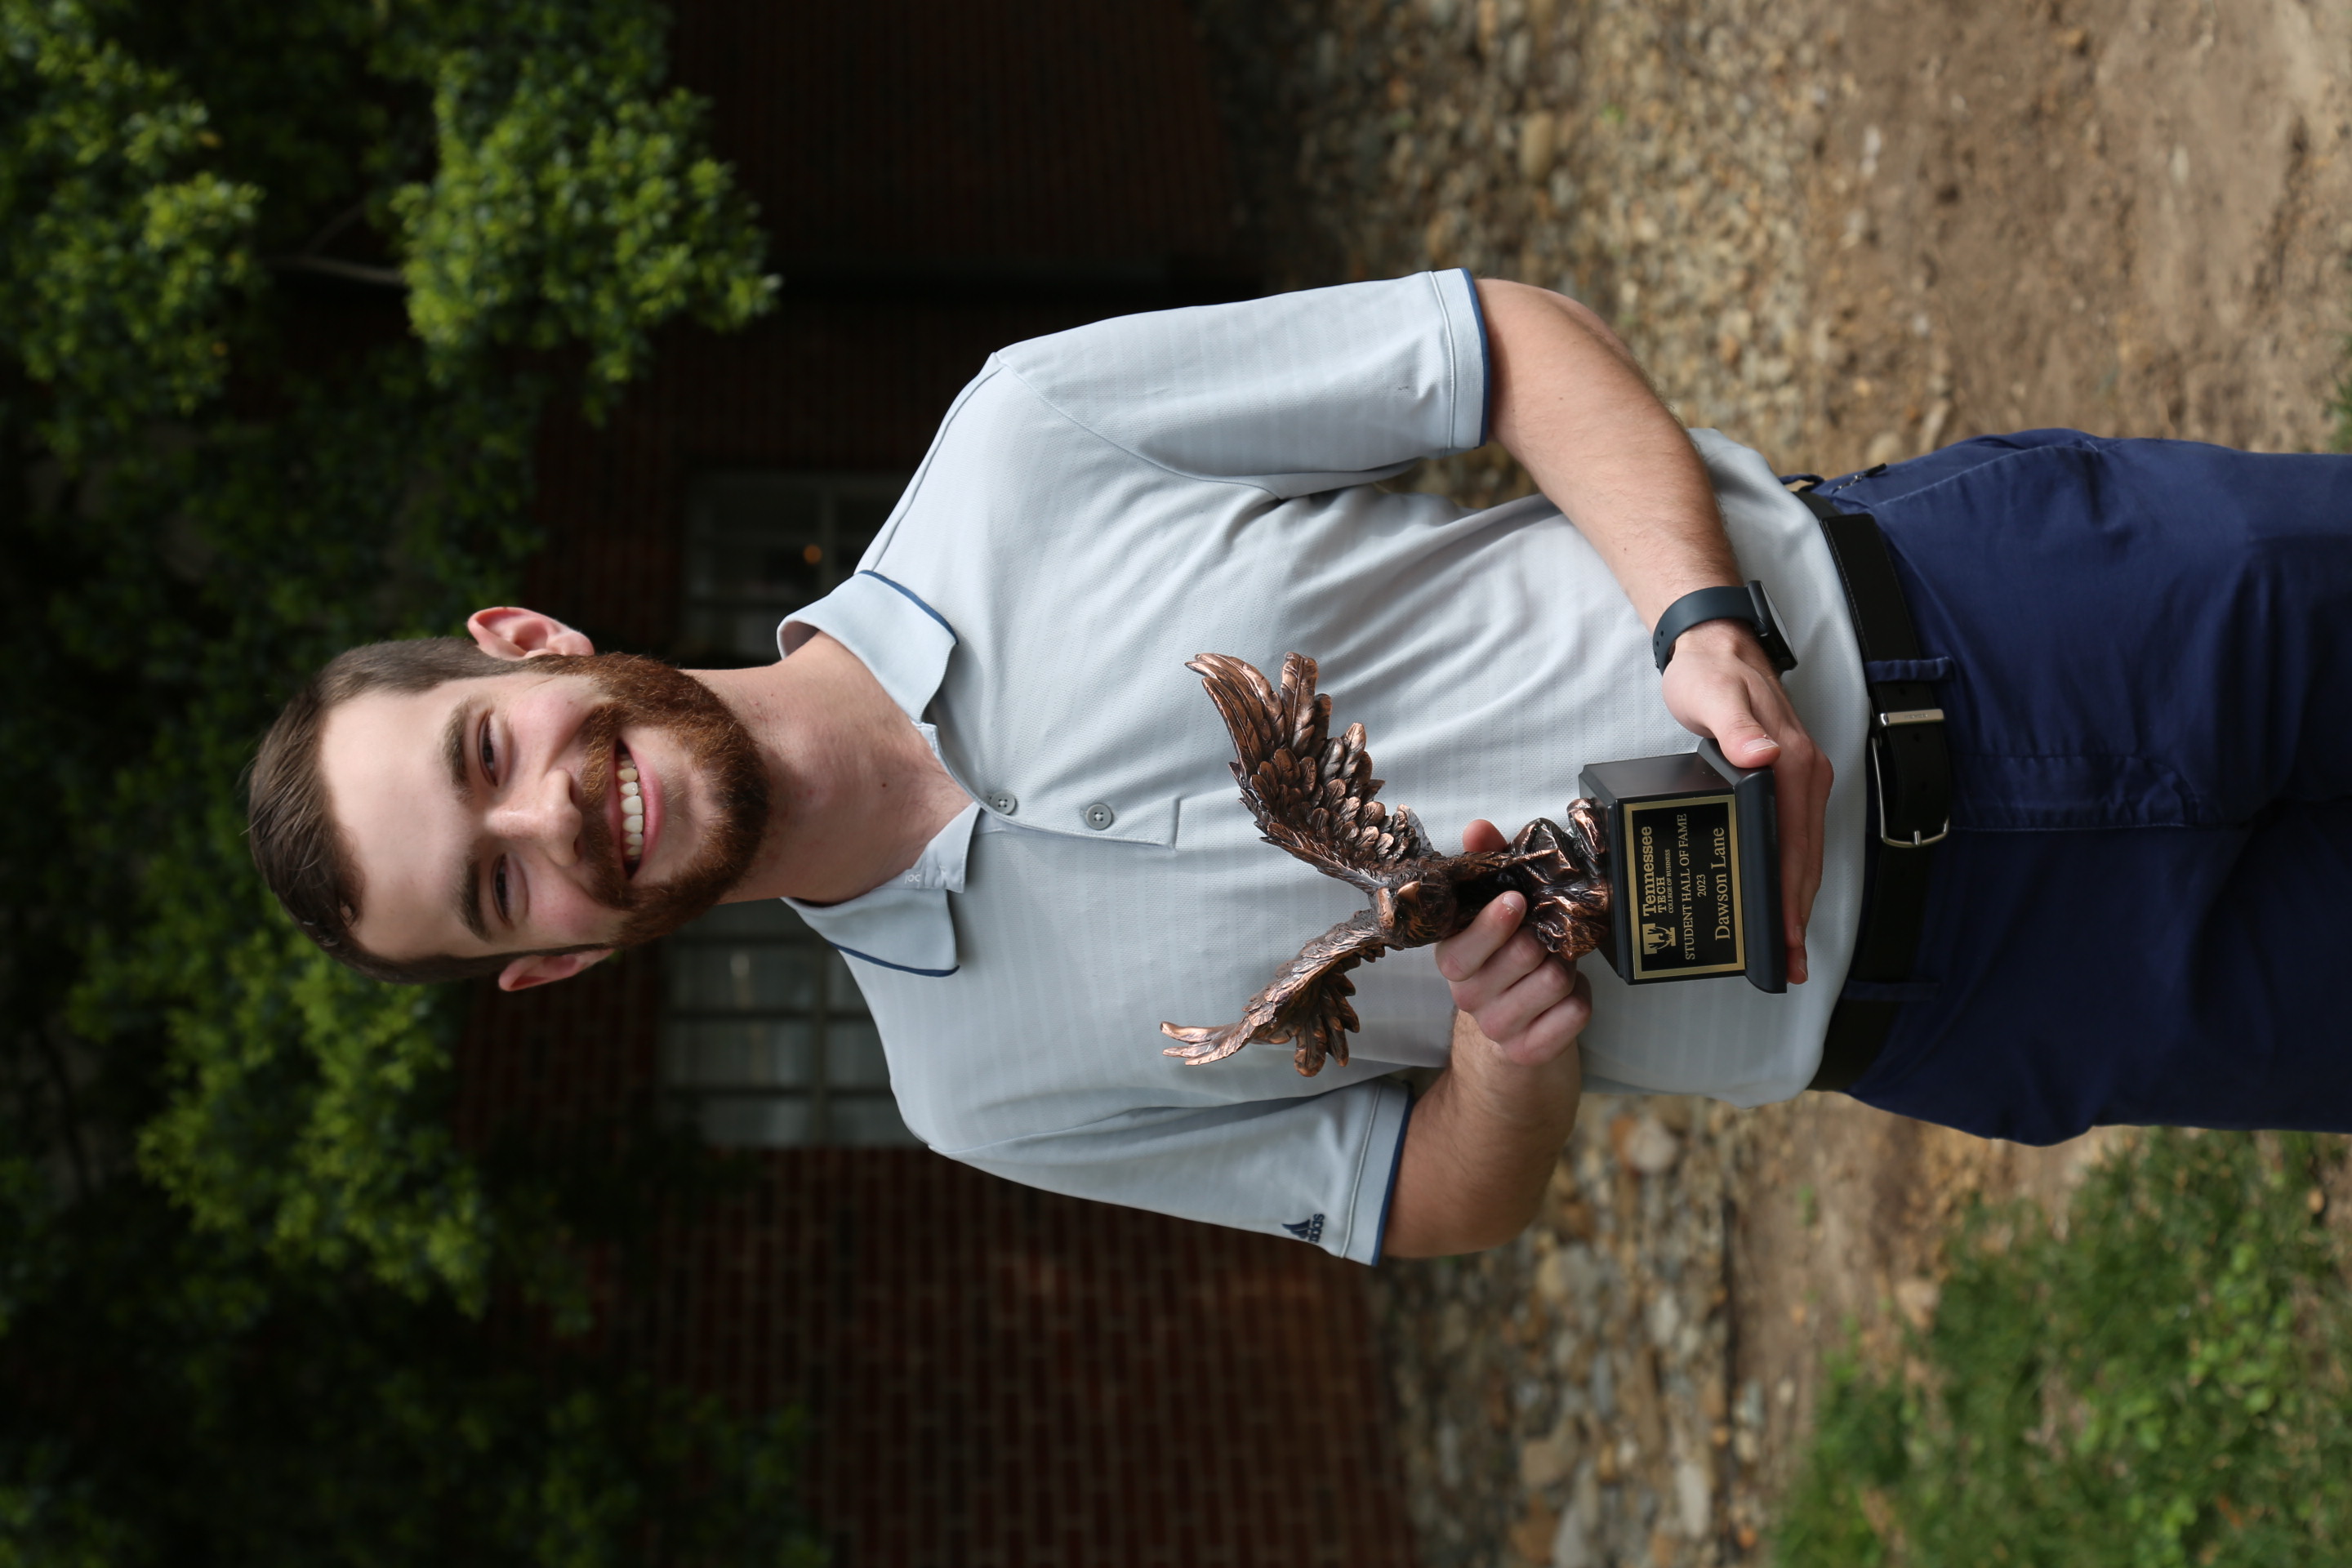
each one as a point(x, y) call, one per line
point(1203, 1046)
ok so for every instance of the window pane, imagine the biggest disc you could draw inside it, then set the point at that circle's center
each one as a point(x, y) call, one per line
point(853, 1056)
point(775, 1122)
point(841, 993)
point(703, 630)
point(857, 519)
point(754, 632)
point(771, 567)
point(743, 977)
point(770, 918)
point(739, 1055)
point(769, 503)
point(869, 1121)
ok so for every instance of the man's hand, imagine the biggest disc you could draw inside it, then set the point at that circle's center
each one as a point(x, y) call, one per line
point(1720, 684)
point(1482, 1141)
point(1529, 1005)
point(1571, 404)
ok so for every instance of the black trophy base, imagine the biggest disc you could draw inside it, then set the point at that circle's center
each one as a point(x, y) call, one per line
point(1694, 869)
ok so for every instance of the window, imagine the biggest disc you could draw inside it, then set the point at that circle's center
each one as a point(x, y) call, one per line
point(759, 545)
point(766, 1039)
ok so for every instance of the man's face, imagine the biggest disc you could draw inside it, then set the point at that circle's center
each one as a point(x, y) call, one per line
point(493, 816)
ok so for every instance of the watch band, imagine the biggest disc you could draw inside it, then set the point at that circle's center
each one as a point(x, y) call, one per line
point(1750, 604)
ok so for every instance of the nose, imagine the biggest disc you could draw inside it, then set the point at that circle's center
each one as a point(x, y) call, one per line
point(546, 815)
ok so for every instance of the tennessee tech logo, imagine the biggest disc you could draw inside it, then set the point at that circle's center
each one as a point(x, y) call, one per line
point(1656, 939)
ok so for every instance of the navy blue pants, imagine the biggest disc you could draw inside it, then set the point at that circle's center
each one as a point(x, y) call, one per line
point(2144, 911)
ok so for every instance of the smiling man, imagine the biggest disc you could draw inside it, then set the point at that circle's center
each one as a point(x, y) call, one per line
point(982, 772)
point(523, 806)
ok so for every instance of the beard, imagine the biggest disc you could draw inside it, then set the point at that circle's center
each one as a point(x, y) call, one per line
point(646, 694)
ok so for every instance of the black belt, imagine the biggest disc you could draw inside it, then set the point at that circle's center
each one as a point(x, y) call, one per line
point(1910, 794)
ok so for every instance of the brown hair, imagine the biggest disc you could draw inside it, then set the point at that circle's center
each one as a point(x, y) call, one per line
point(301, 852)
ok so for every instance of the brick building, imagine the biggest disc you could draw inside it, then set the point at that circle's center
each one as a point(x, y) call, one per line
point(994, 1375)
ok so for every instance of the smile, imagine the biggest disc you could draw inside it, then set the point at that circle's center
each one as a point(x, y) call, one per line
point(633, 809)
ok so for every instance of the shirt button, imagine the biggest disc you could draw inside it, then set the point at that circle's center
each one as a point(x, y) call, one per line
point(1002, 802)
point(1099, 817)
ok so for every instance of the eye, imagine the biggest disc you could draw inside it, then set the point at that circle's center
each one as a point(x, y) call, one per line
point(488, 753)
point(499, 889)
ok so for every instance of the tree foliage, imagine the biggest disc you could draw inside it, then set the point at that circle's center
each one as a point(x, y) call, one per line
point(530, 232)
point(285, 291)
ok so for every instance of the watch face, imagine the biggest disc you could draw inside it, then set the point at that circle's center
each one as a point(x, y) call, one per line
point(1768, 627)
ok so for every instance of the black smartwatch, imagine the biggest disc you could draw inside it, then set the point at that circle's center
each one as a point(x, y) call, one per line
point(1750, 604)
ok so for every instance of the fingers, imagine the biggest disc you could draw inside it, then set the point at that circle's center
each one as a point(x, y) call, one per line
point(1482, 836)
point(1528, 1002)
point(1556, 1029)
point(1536, 1020)
point(1528, 1017)
point(1467, 951)
point(1800, 782)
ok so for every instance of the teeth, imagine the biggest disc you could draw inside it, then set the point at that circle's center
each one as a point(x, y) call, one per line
point(633, 809)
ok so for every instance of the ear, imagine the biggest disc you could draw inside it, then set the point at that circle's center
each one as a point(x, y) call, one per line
point(507, 632)
point(541, 969)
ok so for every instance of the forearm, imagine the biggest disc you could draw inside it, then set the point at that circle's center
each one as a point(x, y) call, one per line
point(1569, 403)
point(1480, 1149)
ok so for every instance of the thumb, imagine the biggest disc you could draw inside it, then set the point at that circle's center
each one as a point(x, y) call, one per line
point(1744, 741)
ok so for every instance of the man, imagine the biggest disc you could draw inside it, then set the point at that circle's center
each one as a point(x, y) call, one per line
point(982, 773)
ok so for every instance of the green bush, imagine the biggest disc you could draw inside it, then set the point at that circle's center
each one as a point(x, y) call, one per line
point(2164, 1385)
point(285, 291)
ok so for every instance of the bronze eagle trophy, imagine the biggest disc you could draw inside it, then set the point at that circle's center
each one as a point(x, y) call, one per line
point(1316, 798)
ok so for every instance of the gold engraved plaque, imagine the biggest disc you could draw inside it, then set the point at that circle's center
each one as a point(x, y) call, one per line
point(1685, 886)
point(1694, 866)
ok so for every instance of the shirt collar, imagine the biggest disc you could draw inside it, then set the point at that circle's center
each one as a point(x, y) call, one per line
point(901, 639)
point(904, 924)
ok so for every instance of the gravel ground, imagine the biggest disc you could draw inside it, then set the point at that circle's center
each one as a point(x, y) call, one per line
point(1842, 231)
point(1557, 144)
point(1577, 1397)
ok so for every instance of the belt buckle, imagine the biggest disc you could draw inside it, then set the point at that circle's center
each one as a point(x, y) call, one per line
point(1919, 839)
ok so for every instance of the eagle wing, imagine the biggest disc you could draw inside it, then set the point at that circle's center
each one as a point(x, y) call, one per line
point(1312, 796)
point(1305, 1001)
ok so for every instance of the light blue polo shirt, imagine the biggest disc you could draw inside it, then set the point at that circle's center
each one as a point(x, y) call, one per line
point(1100, 505)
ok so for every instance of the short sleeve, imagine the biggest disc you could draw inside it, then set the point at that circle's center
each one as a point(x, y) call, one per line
point(1298, 393)
point(1319, 1170)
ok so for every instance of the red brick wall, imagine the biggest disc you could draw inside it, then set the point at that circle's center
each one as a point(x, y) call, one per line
point(1002, 1378)
point(966, 128)
point(561, 1057)
point(995, 1376)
